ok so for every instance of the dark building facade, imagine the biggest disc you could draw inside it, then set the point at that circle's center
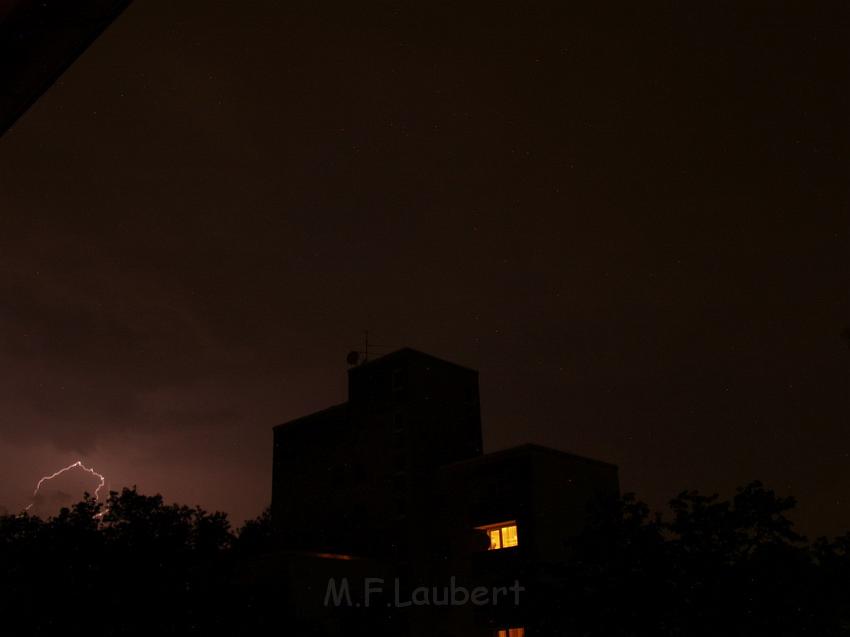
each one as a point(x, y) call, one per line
point(394, 481)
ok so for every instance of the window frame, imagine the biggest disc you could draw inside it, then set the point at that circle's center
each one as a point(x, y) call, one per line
point(513, 631)
point(500, 527)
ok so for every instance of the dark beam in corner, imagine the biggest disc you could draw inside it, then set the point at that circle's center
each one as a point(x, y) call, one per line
point(39, 39)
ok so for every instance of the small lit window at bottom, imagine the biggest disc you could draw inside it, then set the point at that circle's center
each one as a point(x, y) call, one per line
point(511, 632)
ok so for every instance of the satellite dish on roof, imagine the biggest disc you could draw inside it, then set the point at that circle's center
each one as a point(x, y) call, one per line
point(353, 358)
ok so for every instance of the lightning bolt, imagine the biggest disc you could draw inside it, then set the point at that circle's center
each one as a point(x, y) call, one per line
point(74, 465)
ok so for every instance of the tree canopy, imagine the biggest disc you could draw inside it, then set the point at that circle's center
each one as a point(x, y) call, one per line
point(135, 565)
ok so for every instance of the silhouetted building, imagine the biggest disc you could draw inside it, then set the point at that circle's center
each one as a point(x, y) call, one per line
point(394, 482)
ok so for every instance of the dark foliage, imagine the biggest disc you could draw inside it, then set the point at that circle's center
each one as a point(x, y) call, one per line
point(132, 566)
point(136, 565)
point(731, 568)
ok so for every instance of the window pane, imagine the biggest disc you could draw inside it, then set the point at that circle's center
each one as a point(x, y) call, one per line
point(509, 536)
point(495, 542)
point(515, 632)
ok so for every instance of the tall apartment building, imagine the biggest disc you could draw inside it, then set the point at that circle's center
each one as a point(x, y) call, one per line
point(395, 482)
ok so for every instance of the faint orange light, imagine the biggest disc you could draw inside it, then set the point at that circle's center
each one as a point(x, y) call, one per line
point(333, 556)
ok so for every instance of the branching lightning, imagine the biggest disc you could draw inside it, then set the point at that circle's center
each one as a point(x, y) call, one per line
point(78, 463)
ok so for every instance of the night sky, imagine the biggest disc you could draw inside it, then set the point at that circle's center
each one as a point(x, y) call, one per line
point(632, 220)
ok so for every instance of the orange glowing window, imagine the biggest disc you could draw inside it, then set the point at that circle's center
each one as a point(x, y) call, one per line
point(502, 536)
point(511, 632)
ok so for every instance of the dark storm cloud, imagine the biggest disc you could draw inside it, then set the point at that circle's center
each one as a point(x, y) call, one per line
point(85, 345)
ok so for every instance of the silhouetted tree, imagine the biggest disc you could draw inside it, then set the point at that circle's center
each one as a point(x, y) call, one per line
point(716, 567)
point(619, 580)
point(738, 564)
point(137, 566)
point(129, 566)
point(256, 536)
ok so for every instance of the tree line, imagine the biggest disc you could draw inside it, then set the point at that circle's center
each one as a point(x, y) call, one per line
point(135, 565)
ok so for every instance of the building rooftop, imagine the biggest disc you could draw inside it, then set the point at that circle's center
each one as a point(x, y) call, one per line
point(322, 415)
point(525, 449)
point(408, 352)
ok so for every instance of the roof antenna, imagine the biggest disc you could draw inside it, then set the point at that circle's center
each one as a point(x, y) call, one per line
point(354, 357)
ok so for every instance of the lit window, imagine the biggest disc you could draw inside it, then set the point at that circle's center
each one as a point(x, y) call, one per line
point(509, 537)
point(495, 539)
point(502, 536)
point(510, 632)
